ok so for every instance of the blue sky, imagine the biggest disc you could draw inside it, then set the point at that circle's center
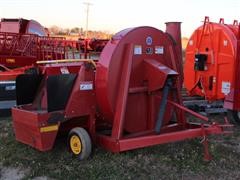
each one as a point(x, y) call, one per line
point(113, 15)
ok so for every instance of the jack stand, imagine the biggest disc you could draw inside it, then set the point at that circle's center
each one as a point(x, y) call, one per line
point(204, 141)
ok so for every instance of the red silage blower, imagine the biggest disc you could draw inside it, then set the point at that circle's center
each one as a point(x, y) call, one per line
point(212, 65)
point(129, 99)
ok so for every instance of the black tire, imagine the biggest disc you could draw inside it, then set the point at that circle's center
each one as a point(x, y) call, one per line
point(85, 140)
point(234, 116)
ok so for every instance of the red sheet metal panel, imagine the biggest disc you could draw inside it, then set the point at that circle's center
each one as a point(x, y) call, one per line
point(31, 128)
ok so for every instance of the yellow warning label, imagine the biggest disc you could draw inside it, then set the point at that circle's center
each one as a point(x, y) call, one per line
point(49, 128)
point(10, 60)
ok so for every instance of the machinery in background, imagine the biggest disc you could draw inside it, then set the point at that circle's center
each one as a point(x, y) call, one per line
point(23, 42)
point(129, 99)
point(212, 67)
point(22, 26)
point(97, 45)
point(17, 38)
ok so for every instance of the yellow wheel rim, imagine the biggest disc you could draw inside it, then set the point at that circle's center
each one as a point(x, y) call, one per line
point(75, 144)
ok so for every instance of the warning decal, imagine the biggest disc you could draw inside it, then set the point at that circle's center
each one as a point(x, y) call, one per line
point(226, 87)
point(86, 86)
point(159, 50)
point(137, 50)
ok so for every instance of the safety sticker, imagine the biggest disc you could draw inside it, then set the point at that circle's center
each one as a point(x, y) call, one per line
point(137, 50)
point(64, 70)
point(225, 43)
point(159, 50)
point(226, 87)
point(86, 86)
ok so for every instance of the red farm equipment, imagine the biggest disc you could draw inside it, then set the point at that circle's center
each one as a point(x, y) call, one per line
point(97, 45)
point(17, 39)
point(23, 42)
point(18, 55)
point(22, 26)
point(212, 66)
point(129, 99)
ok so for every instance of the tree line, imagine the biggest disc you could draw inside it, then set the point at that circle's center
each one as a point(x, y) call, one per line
point(76, 31)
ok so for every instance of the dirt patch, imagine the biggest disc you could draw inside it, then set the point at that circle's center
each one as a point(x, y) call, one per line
point(9, 173)
point(42, 178)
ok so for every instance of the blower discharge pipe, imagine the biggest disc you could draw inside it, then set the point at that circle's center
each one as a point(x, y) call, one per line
point(174, 30)
point(162, 106)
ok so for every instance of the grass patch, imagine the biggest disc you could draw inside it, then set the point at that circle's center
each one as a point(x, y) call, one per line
point(169, 161)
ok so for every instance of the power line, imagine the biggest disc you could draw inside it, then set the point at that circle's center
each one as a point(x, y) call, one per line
point(87, 15)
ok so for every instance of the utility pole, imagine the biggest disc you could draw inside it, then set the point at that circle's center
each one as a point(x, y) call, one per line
point(87, 11)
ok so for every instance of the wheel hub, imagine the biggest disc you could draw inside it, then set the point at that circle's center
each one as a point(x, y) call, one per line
point(75, 144)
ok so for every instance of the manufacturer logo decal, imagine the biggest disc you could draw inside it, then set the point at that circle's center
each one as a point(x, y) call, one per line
point(149, 40)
